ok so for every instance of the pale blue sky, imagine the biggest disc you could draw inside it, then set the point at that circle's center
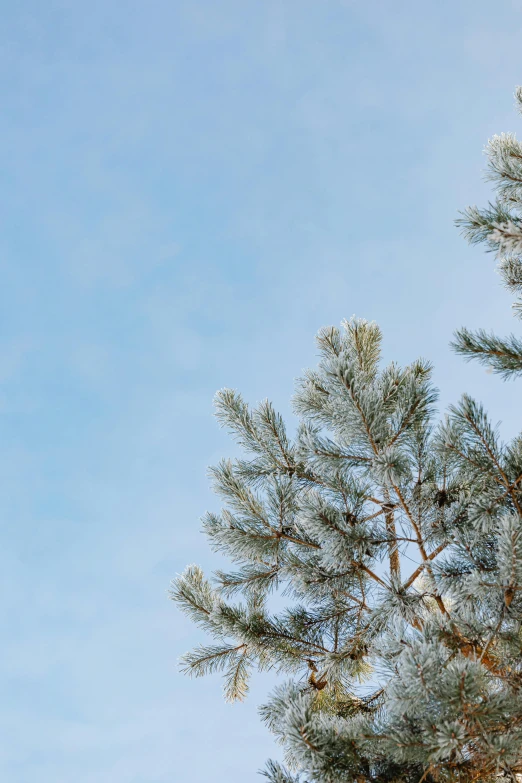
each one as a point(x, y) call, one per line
point(190, 190)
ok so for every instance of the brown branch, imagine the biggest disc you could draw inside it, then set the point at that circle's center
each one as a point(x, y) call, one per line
point(393, 552)
point(420, 544)
point(419, 570)
point(370, 573)
point(215, 655)
point(295, 639)
point(306, 741)
point(297, 540)
point(466, 458)
point(359, 600)
point(332, 455)
point(505, 175)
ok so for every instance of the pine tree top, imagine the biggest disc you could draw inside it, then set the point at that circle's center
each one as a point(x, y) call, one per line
point(396, 542)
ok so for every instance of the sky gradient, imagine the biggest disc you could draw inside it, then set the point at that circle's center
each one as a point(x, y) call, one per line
point(190, 190)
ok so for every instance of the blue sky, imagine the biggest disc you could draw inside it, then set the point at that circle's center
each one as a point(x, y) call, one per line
point(190, 190)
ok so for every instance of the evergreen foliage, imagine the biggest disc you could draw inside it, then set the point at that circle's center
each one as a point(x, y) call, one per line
point(397, 544)
point(499, 226)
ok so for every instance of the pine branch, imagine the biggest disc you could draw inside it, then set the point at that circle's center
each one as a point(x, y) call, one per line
point(422, 566)
point(502, 356)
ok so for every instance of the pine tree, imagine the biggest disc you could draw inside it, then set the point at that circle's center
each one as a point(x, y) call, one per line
point(397, 544)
